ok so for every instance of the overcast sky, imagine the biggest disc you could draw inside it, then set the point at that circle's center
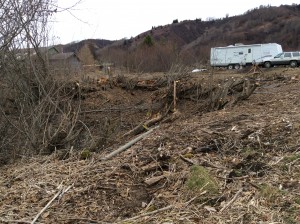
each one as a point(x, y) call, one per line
point(117, 19)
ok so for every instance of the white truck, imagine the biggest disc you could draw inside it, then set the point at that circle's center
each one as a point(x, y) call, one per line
point(235, 56)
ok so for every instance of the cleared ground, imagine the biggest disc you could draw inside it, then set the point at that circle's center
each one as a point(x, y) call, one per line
point(237, 161)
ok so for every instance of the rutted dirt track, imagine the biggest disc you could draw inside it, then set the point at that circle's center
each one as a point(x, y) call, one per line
point(238, 164)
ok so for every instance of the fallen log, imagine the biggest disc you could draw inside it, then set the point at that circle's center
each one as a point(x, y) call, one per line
point(144, 126)
point(127, 145)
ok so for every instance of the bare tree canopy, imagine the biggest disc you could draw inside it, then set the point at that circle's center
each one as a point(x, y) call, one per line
point(23, 21)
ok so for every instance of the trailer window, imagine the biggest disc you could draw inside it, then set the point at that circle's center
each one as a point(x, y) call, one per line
point(249, 51)
point(240, 53)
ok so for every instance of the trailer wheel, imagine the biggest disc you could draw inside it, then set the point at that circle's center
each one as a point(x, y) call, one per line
point(236, 66)
point(293, 64)
point(267, 64)
point(230, 67)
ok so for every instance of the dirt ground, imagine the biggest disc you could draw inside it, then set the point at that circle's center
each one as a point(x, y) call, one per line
point(237, 162)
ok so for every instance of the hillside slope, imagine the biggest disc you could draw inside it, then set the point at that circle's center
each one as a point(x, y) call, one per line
point(189, 42)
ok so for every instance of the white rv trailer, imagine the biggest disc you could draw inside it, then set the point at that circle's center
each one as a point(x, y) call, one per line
point(235, 56)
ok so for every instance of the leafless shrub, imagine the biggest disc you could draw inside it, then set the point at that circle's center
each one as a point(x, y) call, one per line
point(126, 83)
point(177, 72)
point(42, 115)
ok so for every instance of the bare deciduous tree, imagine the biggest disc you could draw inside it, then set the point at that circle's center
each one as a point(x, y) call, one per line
point(36, 109)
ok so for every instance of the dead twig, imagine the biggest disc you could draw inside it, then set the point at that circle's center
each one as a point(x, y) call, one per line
point(86, 220)
point(147, 214)
point(187, 160)
point(48, 204)
point(254, 185)
point(234, 178)
point(174, 95)
point(204, 162)
point(14, 221)
point(231, 201)
point(94, 111)
point(154, 180)
point(190, 201)
point(59, 193)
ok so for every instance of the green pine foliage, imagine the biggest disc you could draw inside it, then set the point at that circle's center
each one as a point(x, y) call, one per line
point(148, 41)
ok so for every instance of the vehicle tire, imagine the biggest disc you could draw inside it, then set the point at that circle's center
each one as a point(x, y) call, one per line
point(236, 66)
point(293, 64)
point(230, 67)
point(267, 64)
